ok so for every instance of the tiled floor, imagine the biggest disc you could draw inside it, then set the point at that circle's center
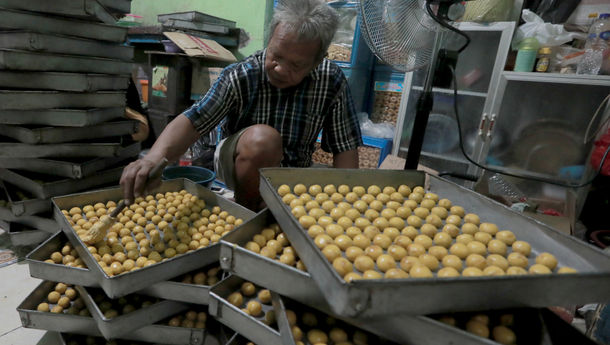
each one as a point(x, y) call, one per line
point(15, 285)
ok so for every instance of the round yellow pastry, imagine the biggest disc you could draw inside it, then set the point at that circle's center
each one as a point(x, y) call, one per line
point(452, 261)
point(547, 259)
point(407, 262)
point(539, 269)
point(522, 247)
point(448, 272)
point(420, 271)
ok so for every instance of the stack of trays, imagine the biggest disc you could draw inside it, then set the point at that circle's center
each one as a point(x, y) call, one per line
point(415, 310)
point(196, 22)
point(162, 303)
point(282, 289)
point(64, 72)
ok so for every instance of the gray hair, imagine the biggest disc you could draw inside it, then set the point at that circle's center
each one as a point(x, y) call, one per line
point(309, 19)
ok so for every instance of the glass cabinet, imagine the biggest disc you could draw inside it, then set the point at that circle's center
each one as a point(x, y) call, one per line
point(351, 53)
point(478, 72)
point(545, 127)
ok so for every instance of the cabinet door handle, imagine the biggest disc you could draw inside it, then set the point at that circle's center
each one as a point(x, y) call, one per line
point(492, 122)
point(482, 124)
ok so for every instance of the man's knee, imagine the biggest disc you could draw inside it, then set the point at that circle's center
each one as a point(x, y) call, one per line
point(260, 142)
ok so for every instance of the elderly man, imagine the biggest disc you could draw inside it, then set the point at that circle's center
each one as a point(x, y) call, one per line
point(275, 101)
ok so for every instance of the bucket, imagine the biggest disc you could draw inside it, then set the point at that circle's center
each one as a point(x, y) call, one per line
point(196, 174)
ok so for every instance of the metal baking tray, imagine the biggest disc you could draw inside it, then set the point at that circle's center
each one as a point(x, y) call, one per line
point(76, 82)
point(178, 291)
point(278, 277)
point(51, 271)
point(32, 318)
point(126, 323)
point(183, 24)
point(21, 235)
point(385, 297)
point(120, 6)
point(67, 339)
point(24, 20)
point(30, 100)
point(298, 285)
point(55, 135)
point(420, 330)
point(89, 9)
point(33, 41)
point(46, 186)
point(69, 150)
point(234, 318)
point(171, 290)
point(157, 334)
point(283, 304)
point(237, 339)
point(74, 169)
point(61, 117)
point(4, 225)
point(126, 283)
point(195, 16)
point(45, 62)
point(86, 325)
point(22, 203)
point(39, 222)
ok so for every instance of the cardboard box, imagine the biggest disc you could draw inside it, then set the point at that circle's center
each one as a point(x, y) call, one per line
point(200, 47)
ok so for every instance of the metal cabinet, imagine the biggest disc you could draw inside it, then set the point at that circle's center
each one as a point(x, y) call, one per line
point(478, 73)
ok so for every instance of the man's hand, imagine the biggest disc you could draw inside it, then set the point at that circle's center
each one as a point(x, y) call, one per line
point(134, 179)
point(171, 144)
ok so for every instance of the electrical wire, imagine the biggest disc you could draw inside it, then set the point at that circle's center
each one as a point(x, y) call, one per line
point(497, 171)
point(588, 138)
point(446, 25)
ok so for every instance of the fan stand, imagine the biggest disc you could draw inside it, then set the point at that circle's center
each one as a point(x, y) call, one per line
point(435, 73)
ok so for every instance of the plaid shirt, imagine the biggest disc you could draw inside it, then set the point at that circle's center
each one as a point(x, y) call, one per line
point(245, 97)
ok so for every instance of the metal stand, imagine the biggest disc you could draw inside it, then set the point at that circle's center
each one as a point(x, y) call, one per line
point(424, 107)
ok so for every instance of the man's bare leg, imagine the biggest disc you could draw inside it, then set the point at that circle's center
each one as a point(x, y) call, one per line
point(260, 146)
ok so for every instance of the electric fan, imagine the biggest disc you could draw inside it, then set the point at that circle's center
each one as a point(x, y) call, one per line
point(408, 35)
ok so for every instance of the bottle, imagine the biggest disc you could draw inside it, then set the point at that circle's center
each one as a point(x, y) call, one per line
point(544, 59)
point(595, 47)
point(526, 56)
point(186, 159)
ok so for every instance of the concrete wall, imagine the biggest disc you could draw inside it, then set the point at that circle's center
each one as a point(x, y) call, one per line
point(250, 15)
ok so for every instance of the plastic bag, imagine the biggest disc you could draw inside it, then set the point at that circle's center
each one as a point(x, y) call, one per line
point(550, 35)
point(565, 59)
point(378, 130)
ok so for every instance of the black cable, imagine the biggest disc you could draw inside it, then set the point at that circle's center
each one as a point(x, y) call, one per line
point(497, 171)
point(446, 25)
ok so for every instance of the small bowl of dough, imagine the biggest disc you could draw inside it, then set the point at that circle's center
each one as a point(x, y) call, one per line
point(196, 174)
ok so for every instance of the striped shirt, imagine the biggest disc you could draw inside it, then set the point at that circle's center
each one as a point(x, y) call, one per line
point(244, 95)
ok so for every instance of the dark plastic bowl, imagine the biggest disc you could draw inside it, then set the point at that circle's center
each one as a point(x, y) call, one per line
point(196, 174)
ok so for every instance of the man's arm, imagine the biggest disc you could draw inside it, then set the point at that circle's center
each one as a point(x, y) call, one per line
point(346, 160)
point(171, 144)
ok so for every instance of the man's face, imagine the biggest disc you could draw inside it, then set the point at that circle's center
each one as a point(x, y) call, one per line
point(288, 61)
